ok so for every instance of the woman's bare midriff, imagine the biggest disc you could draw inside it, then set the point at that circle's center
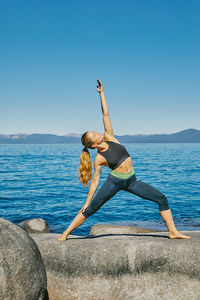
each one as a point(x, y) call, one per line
point(125, 167)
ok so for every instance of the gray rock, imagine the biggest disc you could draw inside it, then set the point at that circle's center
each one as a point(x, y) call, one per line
point(146, 286)
point(22, 271)
point(88, 264)
point(99, 229)
point(120, 254)
point(35, 226)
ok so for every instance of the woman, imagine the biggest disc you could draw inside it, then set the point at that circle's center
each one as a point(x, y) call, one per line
point(122, 177)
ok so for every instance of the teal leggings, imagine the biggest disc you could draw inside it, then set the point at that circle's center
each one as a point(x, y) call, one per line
point(132, 185)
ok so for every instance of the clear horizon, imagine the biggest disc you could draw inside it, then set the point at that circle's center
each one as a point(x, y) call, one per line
point(146, 53)
point(73, 133)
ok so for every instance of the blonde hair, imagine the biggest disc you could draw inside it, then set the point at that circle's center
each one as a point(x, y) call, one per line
point(85, 166)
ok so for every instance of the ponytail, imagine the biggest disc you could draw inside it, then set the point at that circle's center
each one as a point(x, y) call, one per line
point(85, 167)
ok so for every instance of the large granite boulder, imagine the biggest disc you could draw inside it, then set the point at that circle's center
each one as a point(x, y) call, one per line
point(120, 254)
point(35, 226)
point(22, 271)
point(121, 266)
point(101, 229)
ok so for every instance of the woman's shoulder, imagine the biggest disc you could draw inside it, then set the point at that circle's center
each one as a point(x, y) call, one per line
point(110, 138)
point(99, 160)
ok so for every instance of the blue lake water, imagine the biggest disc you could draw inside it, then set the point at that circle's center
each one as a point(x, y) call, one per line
point(41, 181)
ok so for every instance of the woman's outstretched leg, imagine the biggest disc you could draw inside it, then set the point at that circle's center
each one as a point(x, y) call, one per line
point(148, 192)
point(107, 191)
point(173, 232)
point(78, 220)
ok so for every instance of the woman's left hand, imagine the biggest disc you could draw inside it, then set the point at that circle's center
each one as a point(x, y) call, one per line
point(100, 86)
point(83, 208)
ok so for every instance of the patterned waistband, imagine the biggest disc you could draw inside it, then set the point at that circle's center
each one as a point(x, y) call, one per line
point(122, 175)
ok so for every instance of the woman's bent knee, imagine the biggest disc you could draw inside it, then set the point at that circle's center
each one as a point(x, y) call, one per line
point(163, 204)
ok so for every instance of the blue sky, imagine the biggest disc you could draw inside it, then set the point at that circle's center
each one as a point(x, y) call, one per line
point(145, 52)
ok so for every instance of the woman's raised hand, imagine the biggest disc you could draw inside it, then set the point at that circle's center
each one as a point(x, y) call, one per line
point(100, 86)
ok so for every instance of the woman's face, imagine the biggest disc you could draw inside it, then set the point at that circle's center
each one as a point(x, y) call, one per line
point(95, 137)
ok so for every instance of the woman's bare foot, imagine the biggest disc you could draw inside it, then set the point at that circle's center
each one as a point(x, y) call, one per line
point(178, 235)
point(62, 238)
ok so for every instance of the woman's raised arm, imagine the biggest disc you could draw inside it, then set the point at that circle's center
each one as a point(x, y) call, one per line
point(106, 118)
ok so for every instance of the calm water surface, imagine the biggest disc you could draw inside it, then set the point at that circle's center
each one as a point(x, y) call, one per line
point(41, 181)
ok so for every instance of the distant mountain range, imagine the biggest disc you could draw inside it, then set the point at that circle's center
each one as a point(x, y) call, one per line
point(184, 136)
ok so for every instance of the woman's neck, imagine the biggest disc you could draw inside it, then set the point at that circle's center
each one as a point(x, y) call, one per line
point(102, 147)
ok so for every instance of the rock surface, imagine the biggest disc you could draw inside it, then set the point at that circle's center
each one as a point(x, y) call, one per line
point(81, 263)
point(99, 229)
point(146, 286)
point(22, 271)
point(35, 226)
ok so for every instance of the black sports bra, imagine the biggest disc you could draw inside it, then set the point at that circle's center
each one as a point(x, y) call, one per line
point(115, 154)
